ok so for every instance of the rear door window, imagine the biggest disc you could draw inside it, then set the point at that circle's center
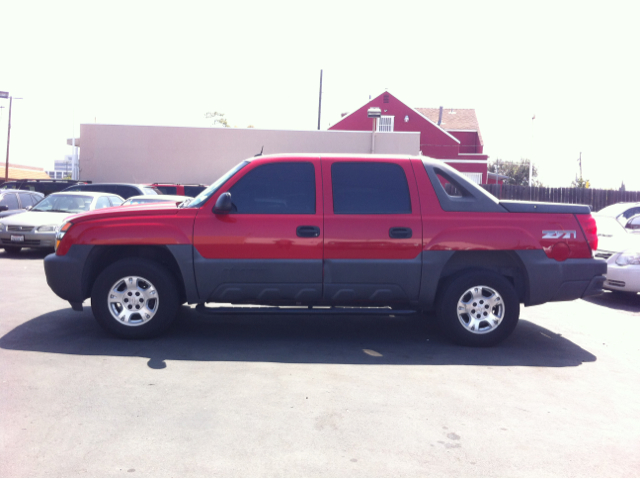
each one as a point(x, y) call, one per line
point(369, 188)
point(103, 202)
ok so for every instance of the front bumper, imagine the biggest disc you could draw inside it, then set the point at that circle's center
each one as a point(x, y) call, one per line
point(29, 240)
point(622, 278)
point(66, 274)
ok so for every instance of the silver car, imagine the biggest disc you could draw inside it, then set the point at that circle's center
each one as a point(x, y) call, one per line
point(37, 228)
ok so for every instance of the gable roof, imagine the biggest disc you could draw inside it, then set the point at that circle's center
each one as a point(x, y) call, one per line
point(417, 110)
point(454, 118)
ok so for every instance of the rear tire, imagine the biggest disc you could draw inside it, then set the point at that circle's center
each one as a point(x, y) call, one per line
point(135, 298)
point(478, 308)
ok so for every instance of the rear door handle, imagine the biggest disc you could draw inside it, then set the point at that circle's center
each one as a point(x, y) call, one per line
point(400, 232)
point(308, 231)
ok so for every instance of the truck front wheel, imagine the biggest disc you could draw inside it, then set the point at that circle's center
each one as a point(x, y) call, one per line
point(135, 298)
point(478, 308)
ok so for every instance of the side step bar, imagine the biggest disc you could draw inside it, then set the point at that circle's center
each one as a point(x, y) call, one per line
point(316, 310)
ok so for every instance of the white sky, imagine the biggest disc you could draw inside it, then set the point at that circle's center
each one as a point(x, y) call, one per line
point(572, 64)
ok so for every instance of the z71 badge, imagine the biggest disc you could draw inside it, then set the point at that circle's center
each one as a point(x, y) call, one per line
point(558, 234)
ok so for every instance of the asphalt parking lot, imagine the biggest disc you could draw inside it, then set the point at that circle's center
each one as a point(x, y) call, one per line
point(320, 396)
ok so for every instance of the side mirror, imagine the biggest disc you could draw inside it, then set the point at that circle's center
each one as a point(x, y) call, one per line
point(29, 207)
point(4, 207)
point(223, 204)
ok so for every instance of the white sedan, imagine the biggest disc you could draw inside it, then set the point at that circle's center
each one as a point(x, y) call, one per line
point(146, 199)
point(621, 250)
point(37, 227)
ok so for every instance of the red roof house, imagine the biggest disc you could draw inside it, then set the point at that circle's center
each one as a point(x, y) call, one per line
point(448, 134)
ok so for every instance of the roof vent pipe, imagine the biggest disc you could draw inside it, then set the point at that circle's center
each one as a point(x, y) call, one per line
point(440, 117)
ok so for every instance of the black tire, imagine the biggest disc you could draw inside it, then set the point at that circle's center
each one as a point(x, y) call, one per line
point(494, 303)
point(147, 288)
point(12, 250)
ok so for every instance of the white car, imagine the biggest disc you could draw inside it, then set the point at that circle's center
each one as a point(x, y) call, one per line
point(621, 250)
point(621, 211)
point(37, 227)
point(146, 199)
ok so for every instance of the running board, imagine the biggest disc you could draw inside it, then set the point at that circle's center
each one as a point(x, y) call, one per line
point(317, 310)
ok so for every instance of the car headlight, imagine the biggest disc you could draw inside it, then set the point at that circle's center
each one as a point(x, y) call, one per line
point(628, 258)
point(46, 229)
point(2, 227)
point(61, 231)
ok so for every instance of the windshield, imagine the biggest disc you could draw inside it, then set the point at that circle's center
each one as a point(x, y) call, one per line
point(206, 194)
point(64, 204)
point(151, 190)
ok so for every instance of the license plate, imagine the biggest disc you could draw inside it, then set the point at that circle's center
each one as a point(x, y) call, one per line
point(17, 238)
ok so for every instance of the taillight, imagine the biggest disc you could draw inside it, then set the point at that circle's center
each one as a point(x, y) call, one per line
point(590, 230)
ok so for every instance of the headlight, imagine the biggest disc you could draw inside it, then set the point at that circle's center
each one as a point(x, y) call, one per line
point(2, 227)
point(46, 229)
point(628, 258)
point(61, 232)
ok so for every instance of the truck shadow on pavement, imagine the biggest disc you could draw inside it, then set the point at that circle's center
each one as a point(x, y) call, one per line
point(408, 340)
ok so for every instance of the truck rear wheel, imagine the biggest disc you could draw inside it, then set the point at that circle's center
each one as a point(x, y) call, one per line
point(135, 298)
point(478, 308)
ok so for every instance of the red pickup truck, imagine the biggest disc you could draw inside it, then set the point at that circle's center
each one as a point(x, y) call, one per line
point(330, 234)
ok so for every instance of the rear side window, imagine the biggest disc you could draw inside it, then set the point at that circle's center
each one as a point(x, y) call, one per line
point(168, 190)
point(362, 188)
point(25, 199)
point(276, 188)
point(193, 190)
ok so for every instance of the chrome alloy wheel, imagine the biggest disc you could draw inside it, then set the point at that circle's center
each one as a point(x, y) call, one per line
point(133, 301)
point(480, 309)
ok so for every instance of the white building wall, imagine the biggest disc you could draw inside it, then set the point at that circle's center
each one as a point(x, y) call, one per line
point(148, 154)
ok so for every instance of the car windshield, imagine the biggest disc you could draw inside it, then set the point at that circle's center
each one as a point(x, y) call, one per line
point(151, 190)
point(64, 204)
point(206, 194)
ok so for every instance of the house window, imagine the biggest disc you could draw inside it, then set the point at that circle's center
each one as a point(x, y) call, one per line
point(475, 177)
point(385, 123)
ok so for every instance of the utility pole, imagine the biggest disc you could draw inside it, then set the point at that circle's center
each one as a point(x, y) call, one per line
point(6, 163)
point(320, 101)
point(580, 163)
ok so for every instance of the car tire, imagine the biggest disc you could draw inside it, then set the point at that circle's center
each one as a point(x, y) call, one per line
point(12, 250)
point(135, 298)
point(477, 308)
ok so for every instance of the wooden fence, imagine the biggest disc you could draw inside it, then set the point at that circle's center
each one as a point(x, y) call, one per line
point(596, 199)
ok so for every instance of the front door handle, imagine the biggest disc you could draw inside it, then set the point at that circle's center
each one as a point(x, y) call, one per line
point(400, 232)
point(308, 231)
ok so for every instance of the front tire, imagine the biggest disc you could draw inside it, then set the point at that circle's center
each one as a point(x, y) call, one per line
point(135, 299)
point(478, 308)
point(12, 250)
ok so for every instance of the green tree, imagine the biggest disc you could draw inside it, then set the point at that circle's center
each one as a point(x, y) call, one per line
point(580, 183)
point(517, 171)
point(218, 119)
